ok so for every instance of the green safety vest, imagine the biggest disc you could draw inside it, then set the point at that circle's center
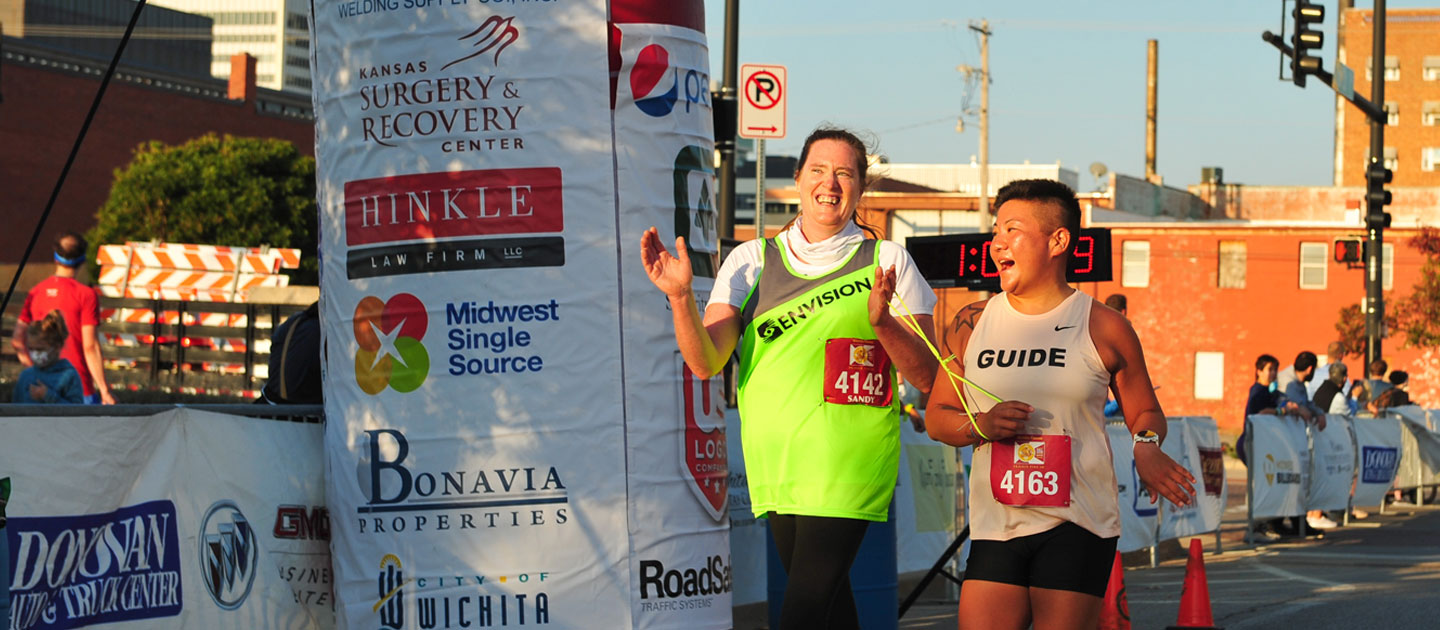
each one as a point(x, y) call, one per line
point(805, 454)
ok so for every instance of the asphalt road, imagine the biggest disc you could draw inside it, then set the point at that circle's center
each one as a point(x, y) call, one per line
point(1382, 572)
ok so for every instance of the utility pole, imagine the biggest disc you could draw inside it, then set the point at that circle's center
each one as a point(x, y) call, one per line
point(726, 109)
point(986, 221)
point(1376, 197)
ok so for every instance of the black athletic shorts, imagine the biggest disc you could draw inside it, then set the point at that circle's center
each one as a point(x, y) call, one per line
point(1066, 558)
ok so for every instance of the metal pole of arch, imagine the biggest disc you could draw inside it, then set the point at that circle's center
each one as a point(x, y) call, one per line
point(760, 188)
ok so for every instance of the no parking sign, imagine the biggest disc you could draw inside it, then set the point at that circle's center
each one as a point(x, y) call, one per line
point(762, 103)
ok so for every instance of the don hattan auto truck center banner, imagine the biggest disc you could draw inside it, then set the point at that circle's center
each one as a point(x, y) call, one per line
point(512, 439)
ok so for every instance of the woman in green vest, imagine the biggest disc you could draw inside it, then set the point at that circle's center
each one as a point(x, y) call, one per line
point(819, 349)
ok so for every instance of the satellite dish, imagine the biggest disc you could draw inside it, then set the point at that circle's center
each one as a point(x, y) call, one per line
point(1098, 169)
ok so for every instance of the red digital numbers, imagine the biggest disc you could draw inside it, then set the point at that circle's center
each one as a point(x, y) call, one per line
point(1083, 259)
point(976, 259)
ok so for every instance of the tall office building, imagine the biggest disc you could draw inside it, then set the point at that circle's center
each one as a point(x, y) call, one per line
point(275, 32)
point(1412, 97)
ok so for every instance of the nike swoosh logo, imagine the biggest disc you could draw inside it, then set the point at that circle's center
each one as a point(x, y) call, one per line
point(1060, 328)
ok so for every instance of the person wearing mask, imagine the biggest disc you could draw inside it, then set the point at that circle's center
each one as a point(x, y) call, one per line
point(50, 379)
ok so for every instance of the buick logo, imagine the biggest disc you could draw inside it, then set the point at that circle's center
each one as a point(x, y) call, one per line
point(228, 554)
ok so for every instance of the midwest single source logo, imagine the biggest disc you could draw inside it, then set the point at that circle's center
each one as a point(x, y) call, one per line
point(391, 353)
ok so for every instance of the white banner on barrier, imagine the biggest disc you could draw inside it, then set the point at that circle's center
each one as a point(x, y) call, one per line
point(1332, 465)
point(1138, 516)
point(1378, 441)
point(170, 523)
point(1279, 464)
point(747, 533)
point(1195, 444)
point(924, 499)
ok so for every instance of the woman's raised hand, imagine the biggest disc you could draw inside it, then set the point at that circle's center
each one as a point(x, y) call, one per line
point(670, 274)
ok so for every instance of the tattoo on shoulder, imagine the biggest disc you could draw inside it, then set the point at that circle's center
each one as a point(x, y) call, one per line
point(964, 321)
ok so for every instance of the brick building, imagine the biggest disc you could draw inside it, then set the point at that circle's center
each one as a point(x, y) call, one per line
point(46, 95)
point(1412, 96)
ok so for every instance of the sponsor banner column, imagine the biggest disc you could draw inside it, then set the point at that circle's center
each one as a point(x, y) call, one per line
point(475, 423)
point(1332, 465)
point(681, 573)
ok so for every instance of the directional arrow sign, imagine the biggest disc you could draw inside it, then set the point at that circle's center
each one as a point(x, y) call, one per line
point(762, 102)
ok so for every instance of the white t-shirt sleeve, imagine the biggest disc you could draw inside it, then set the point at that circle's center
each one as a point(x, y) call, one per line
point(909, 285)
point(737, 274)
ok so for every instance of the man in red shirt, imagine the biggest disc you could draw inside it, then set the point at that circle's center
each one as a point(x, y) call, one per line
point(81, 308)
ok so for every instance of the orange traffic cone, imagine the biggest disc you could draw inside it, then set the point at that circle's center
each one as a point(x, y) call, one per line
point(1195, 594)
point(1115, 612)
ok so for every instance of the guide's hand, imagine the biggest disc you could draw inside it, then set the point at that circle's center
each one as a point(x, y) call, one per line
point(670, 274)
point(1004, 420)
point(1162, 476)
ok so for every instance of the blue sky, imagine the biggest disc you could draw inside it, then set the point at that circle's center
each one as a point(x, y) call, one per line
point(1069, 82)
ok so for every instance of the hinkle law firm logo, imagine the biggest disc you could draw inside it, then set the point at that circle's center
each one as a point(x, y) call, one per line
point(391, 353)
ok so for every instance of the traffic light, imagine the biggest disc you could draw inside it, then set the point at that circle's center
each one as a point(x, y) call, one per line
point(1306, 39)
point(1376, 176)
point(1348, 250)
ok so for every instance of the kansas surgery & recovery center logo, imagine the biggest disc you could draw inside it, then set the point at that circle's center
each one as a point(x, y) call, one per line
point(389, 334)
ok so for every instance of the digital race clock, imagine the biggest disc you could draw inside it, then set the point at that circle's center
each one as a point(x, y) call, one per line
point(963, 260)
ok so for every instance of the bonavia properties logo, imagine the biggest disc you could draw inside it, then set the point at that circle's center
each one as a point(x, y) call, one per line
point(389, 335)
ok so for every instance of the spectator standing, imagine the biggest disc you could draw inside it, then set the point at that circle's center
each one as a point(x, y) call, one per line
point(1334, 353)
point(1378, 384)
point(1397, 395)
point(50, 379)
point(80, 306)
point(1330, 394)
point(1294, 391)
point(295, 361)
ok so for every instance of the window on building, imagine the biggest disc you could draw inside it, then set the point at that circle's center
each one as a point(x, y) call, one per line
point(1432, 68)
point(296, 61)
point(1430, 113)
point(1429, 158)
point(1392, 113)
point(1135, 266)
point(298, 42)
point(297, 21)
point(1387, 258)
point(1209, 375)
point(1392, 68)
point(1392, 158)
point(1314, 258)
point(249, 38)
point(1232, 265)
point(242, 18)
point(300, 82)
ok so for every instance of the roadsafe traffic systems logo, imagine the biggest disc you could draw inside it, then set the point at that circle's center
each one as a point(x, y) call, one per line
point(472, 600)
point(228, 554)
point(391, 353)
point(401, 497)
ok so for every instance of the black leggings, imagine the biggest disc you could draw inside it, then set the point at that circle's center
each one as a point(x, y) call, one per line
point(817, 552)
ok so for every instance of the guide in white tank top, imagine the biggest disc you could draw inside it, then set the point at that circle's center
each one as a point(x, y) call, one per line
point(1022, 486)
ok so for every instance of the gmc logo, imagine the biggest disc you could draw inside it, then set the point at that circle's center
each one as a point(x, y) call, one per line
point(293, 522)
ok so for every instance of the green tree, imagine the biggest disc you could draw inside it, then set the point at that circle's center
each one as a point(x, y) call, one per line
point(1416, 315)
point(219, 190)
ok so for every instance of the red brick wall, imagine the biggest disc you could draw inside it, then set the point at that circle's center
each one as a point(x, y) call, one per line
point(1410, 35)
point(41, 115)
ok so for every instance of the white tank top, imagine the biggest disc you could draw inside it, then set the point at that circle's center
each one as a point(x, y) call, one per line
point(1049, 362)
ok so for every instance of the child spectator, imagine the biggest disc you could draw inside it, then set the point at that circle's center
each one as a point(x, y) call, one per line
point(49, 379)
